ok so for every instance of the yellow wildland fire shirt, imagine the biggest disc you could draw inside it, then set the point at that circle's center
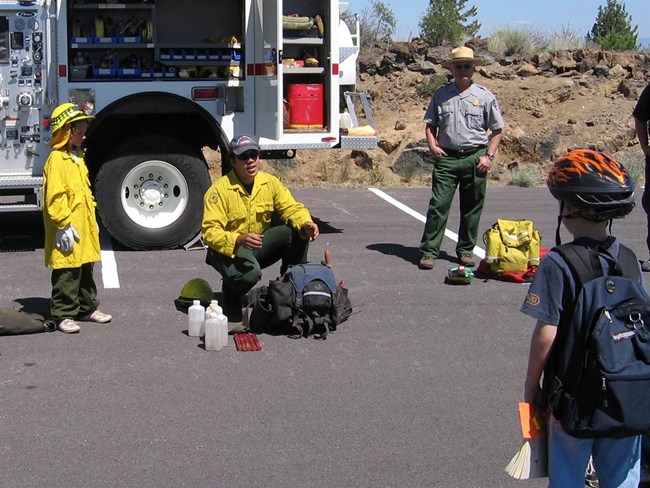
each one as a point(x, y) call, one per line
point(229, 210)
point(68, 200)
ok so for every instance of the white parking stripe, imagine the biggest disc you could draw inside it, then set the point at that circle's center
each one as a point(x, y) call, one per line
point(451, 235)
point(109, 265)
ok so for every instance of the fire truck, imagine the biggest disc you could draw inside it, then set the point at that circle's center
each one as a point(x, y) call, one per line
point(169, 78)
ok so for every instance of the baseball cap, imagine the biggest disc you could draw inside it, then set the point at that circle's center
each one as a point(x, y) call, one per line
point(242, 143)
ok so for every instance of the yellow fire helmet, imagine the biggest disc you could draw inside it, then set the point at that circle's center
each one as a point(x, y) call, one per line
point(196, 289)
point(69, 112)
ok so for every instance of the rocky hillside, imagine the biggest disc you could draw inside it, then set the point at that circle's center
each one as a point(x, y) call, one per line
point(551, 102)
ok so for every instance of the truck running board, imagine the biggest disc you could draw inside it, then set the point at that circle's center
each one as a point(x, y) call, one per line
point(21, 194)
point(19, 207)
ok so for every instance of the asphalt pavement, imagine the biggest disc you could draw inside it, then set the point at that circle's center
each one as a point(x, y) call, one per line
point(419, 388)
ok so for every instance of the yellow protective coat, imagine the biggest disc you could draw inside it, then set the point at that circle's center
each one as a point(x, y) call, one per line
point(68, 200)
point(229, 210)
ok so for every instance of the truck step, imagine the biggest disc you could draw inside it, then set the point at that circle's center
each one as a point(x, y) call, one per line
point(19, 207)
point(13, 182)
point(359, 142)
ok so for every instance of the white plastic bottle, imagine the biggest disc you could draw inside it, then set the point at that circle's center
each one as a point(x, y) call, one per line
point(213, 306)
point(223, 327)
point(195, 319)
point(345, 120)
point(212, 336)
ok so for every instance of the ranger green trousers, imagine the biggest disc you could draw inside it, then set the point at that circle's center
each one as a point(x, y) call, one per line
point(242, 272)
point(74, 293)
point(450, 173)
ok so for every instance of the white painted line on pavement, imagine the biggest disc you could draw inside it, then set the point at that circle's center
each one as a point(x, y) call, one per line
point(401, 206)
point(109, 265)
point(451, 235)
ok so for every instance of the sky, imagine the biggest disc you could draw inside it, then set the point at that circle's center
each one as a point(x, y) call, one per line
point(546, 16)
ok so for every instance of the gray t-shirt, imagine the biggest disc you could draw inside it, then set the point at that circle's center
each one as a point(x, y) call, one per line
point(462, 121)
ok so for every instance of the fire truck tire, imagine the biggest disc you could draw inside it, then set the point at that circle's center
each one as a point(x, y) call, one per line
point(150, 193)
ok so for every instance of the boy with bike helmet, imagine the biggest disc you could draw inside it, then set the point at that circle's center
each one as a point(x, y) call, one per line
point(592, 189)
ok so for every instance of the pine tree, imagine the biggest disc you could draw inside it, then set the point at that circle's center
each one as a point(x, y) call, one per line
point(613, 28)
point(445, 22)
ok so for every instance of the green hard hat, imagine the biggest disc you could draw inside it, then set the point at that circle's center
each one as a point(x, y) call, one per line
point(196, 289)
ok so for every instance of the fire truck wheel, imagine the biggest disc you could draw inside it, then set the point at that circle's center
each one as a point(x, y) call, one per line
point(152, 197)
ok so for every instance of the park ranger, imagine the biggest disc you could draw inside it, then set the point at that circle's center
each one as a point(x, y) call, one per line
point(463, 131)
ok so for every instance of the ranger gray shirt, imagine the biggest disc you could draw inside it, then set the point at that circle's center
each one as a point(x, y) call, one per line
point(462, 121)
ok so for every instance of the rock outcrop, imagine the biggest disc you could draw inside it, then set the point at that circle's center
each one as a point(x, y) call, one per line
point(551, 101)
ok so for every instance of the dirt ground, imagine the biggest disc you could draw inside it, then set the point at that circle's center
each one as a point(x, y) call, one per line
point(564, 111)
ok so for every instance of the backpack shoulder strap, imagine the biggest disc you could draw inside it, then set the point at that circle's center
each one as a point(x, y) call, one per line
point(628, 263)
point(585, 266)
point(585, 263)
point(582, 261)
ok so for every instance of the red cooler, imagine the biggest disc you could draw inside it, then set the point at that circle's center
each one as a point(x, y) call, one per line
point(306, 106)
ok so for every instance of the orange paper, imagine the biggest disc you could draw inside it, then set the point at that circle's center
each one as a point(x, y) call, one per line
point(532, 423)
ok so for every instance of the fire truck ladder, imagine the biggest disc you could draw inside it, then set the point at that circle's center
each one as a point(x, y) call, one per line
point(350, 101)
point(354, 101)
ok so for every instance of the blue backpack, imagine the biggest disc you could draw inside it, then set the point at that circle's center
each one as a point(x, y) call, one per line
point(598, 375)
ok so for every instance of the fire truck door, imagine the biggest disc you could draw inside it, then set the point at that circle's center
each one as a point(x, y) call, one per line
point(268, 63)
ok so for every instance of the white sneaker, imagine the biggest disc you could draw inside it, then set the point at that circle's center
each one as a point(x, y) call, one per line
point(99, 317)
point(68, 326)
point(645, 265)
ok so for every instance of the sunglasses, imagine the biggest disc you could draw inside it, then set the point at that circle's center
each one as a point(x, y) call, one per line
point(463, 66)
point(245, 156)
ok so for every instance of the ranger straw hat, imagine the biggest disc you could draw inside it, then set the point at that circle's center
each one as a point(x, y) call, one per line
point(462, 55)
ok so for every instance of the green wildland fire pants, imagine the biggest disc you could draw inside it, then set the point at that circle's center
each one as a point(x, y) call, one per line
point(74, 292)
point(242, 272)
point(448, 174)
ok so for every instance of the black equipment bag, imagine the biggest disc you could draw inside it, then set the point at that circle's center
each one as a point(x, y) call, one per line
point(305, 301)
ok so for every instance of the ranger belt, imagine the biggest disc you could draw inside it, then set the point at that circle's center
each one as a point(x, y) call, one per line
point(462, 153)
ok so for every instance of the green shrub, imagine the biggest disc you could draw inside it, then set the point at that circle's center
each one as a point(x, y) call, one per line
point(430, 85)
point(376, 176)
point(408, 174)
point(567, 39)
point(636, 167)
point(508, 42)
point(346, 171)
point(525, 177)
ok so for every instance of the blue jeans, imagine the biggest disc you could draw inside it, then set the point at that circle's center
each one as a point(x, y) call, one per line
point(617, 461)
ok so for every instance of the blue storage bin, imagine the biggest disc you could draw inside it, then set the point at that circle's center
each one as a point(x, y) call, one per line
point(100, 73)
point(129, 40)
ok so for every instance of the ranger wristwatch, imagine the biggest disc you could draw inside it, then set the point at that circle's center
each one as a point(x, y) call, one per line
point(490, 156)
